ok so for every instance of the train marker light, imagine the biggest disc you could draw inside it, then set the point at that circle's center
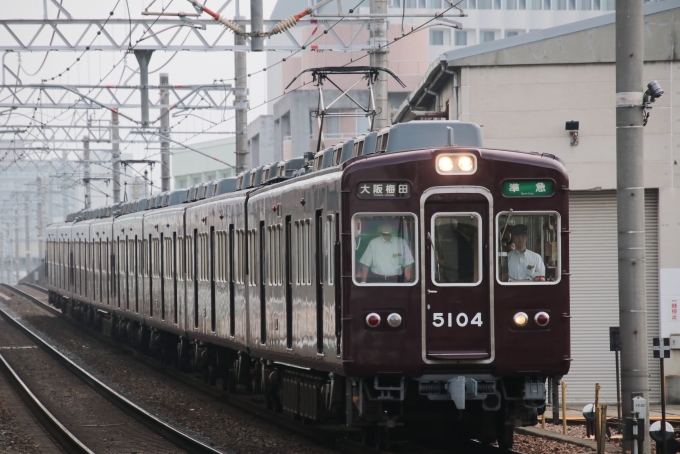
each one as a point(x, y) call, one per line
point(372, 319)
point(520, 319)
point(466, 164)
point(542, 319)
point(394, 320)
point(445, 164)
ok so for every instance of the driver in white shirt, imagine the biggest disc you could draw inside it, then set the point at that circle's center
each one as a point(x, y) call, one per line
point(387, 258)
point(523, 264)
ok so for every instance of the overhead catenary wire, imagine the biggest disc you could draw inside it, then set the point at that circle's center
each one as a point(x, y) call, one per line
point(264, 69)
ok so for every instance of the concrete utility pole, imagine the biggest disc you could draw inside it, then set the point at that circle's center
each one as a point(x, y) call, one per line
point(27, 236)
point(41, 222)
point(115, 156)
point(631, 208)
point(241, 85)
point(64, 187)
point(16, 243)
point(165, 132)
point(86, 172)
point(143, 58)
point(2, 256)
point(379, 59)
point(256, 25)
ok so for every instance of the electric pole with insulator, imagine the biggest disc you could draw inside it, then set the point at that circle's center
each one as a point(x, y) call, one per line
point(631, 207)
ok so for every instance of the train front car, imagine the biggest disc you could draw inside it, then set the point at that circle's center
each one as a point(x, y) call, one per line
point(456, 289)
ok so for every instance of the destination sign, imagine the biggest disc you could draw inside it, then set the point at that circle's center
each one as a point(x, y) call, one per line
point(528, 188)
point(384, 190)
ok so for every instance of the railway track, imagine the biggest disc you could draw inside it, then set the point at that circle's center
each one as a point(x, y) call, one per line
point(85, 414)
point(345, 440)
point(62, 439)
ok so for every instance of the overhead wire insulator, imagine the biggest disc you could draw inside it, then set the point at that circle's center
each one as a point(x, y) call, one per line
point(285, 24)
point(221, 19)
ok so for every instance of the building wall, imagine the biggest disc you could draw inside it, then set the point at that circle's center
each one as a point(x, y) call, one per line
point(189, 167)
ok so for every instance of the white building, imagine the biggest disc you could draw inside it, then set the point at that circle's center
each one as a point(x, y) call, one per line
point(190, 168)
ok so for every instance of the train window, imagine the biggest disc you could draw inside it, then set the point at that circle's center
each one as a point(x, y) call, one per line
point(528, 248)
point(180, 258)
point(189, 258)
point(298, 256)
point(169, 264)
point(456, 249)
point(279, 266)
point(271, 257)
point(385, 249)
point(308, 251)
point(330, 248)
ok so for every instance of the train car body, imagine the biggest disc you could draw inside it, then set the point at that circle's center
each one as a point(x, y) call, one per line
point(419, 287)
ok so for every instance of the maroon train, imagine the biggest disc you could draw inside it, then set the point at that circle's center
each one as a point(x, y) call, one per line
point(418, 288)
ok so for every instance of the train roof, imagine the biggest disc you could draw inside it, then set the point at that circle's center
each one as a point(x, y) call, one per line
point(414, 135)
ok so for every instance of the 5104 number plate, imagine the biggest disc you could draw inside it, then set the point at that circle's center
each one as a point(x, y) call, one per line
point(462, 319)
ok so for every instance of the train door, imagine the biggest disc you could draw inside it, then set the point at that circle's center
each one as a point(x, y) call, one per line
point(457, 307)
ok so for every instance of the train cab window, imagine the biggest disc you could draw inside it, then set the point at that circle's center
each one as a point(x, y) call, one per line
point(528, 248)
point(456, 249)
point(385, 249)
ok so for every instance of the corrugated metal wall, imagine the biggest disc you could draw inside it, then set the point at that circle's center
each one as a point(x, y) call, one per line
point(594, 293)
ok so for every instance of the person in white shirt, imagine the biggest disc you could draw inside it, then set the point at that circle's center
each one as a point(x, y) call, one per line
point(523, 264)
point(387, 258)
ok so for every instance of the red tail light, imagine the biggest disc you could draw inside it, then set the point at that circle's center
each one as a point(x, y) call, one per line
point(542, 319)
point(373, 320)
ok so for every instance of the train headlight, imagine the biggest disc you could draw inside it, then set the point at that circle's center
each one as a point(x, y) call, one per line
point(373, 320)
point(520, 319)
point(466, 164)
point(445, 164)
point(456, 164)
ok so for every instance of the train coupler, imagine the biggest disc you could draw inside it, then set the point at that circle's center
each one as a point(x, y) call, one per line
point(458, 389)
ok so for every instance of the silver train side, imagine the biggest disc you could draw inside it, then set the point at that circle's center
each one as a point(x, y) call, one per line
point(180, 275)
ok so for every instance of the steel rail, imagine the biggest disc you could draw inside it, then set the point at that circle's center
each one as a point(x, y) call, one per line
point(33, 286)
point(179, 439)
point(57, 432)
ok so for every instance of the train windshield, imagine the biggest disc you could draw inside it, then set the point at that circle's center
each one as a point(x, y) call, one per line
point(385, 249)
point(528, 248)
point(457, 249)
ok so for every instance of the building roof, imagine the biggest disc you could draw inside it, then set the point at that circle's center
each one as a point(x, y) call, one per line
point(587, 41)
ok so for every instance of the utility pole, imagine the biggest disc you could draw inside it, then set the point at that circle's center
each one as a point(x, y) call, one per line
point(2, 256)
point(631, 207)
point(27, 236)
point(165, 132)
point(143, 58)
point(86, 172)
point(16, 243)
point(39, 221)
point(241, 84)
point(115, 156)
point(64, 194)
point(379, 60)
point(256, 26)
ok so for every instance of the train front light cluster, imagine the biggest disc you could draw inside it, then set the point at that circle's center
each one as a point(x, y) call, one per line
point(522, 319)
point(456, 164)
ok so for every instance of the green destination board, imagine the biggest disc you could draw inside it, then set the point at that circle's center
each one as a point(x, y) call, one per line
point(528, 188)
